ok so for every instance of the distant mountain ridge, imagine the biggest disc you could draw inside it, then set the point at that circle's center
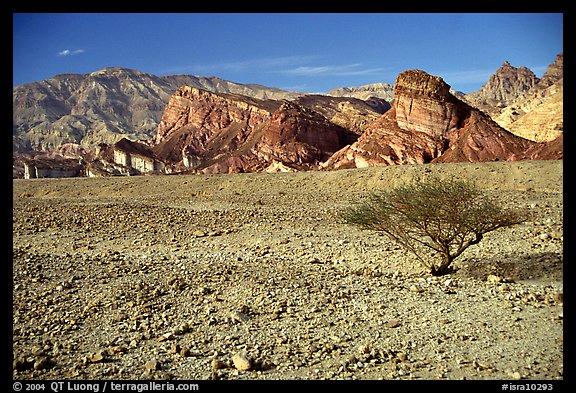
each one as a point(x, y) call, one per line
point(428, 124)
point(118, 121)
point(365, 92)
point(522, 103)
point(106, 105)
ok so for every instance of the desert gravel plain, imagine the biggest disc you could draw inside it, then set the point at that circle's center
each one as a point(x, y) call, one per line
point(255, 276)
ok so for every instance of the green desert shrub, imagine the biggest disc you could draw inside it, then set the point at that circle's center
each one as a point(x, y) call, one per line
point(435, 219)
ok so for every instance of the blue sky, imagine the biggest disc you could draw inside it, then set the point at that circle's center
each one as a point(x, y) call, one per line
point(297, 51)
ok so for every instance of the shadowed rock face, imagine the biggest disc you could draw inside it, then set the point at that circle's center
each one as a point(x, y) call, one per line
point(428, 124)
point(297, 135)
point(234, 133)
point(208, 124)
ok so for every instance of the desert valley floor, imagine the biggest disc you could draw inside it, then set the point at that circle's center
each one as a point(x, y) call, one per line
point(255, 276)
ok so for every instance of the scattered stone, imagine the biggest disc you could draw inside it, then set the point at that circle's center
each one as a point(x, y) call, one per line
point(166, 337)
point(323, 310)
point(41, 363)
point(402, 356)
point(199, 233)
point(393, 323)
point(493, 279)
point(238, 316)
point(174, 348)
point(182, 328)
point(97, 357)
point(242, 361)
point(152, 365)
point(218, 364)
point(545, 236)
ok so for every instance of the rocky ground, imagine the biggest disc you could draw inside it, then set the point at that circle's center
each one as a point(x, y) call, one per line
point(255, 276)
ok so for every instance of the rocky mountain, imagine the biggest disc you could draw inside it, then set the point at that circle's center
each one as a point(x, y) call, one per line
point(365, 92)
point(522, 103)
point(506, 85)
point(216, 132)
point(429, 124)
point(118, 122)
point(354, 114)
point(105, 106)
point(377, 90)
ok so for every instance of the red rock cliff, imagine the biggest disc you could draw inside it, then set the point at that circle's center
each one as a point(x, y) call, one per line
point(428, 124)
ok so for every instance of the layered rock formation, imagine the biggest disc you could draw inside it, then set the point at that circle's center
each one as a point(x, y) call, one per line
point(105, 106)
point(204, 131)
point(215, 133)
point(522, 103)
point(506, 85)
point(365, 92)
point(353, 114)
point(209, 124)
point(428, 124)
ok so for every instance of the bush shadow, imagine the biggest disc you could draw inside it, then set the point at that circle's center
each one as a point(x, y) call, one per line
point(513, 266)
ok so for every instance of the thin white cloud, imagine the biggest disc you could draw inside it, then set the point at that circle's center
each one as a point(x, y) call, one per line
point(68, 52)
point(264, 64)
point(355, 69)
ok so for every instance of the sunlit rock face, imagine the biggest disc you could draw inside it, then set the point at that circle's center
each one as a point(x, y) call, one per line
point(428, 124)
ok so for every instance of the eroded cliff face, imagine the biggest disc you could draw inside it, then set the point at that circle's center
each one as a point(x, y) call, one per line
point(225, 133)
point(522, 103)
point(203, 131)
point(428, 124)
point(298, 135)
point(424, 104)
point(507, 84)
point(105, 106)
point(208, 124)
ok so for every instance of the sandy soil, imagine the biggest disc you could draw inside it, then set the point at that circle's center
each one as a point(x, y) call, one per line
point(255, 276)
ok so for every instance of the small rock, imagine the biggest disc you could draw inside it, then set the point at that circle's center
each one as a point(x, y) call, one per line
point(415, 289)
point(152, 365)
point(183, 328)
point(402, 356)
point(363, 349)
point(545, 236)
point(166, 337)
point(239, 317)
point(242, 361)
point(492, 279)
point(218, 364)
point(199, 233)
point(174, 348)
point(119, 349)
point(97, 357)
point(41, 363)
point(516, 375)
point(393, 323)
